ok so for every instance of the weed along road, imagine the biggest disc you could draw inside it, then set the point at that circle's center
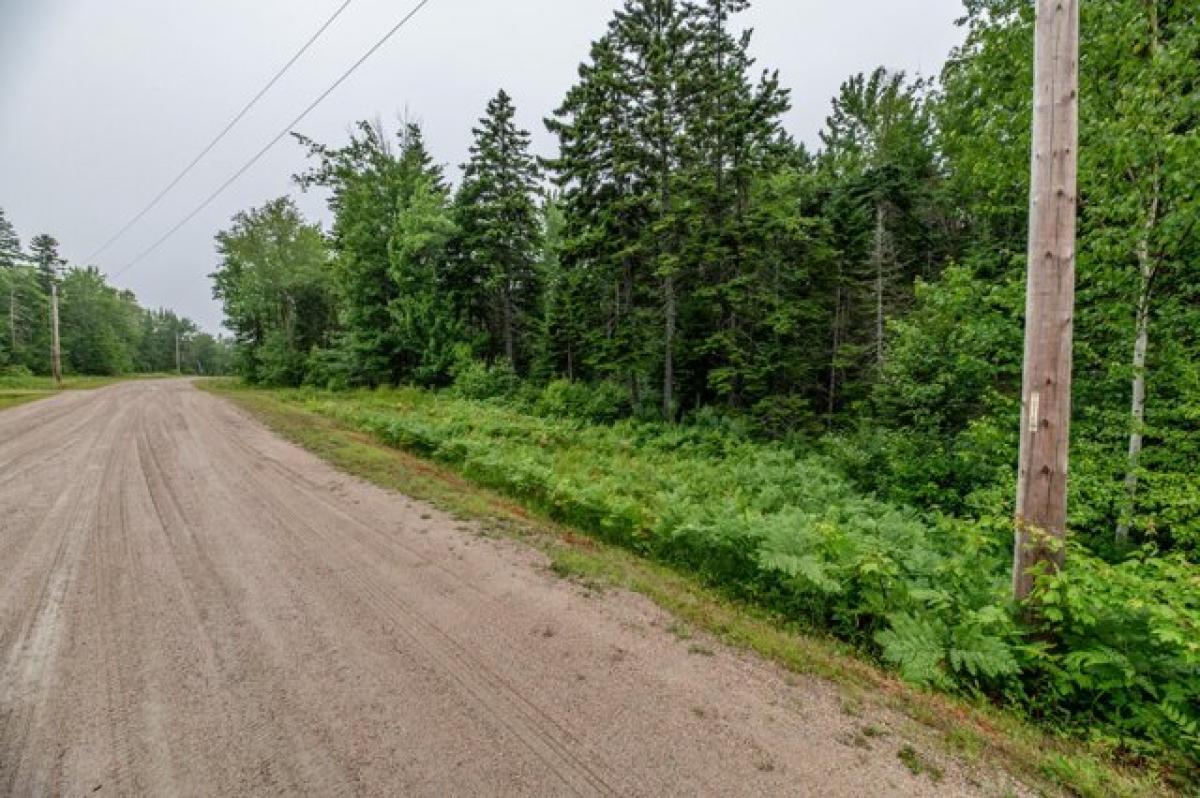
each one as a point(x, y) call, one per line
point(190, 605)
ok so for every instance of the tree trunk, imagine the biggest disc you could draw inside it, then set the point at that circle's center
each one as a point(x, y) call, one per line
point(837, 345)
point(1146, 268)
point(877, 258)
point(510, 344)
point(668, 397)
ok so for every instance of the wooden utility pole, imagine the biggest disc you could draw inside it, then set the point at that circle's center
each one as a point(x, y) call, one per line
point(12, 314)
point(178, 367)
point(1050, 296)
point(55, 350)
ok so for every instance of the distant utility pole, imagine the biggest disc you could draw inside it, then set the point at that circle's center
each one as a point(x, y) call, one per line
point(12, 313)
point(178, 367)
point(55, 350)
point(1041, 511)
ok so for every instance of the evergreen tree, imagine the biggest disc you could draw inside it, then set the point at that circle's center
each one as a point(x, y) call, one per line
point(561, 329)
point(43, 251)
point(605, 209)
point(741, 177)
point(10, 243)
point(878, 163)
point(372, 184)
point(10, 259)
point(499, 233)
point(662, 141)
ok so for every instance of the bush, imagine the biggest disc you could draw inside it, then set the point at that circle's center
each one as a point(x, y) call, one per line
point(783, 416)
point(601, 403)
point(330, 369)
point(278, 363)
point(1122, 661)
point(16, 372)
point(474, 379)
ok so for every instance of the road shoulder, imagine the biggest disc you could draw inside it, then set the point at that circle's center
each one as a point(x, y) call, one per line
point(937, 735)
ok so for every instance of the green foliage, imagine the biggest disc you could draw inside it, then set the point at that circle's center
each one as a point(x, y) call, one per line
point(495, 276)
point(97, 324)
point(10, 244)
point(1123, 659)
point(103, 330)
point(474, 379)
point(599, 403)
point(276, 292)
point(390, 234)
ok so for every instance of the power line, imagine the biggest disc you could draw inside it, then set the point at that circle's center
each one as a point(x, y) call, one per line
point(287, 129)
point(220, 136)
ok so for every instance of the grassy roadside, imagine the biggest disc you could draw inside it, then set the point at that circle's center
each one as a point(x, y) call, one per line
point(19, 390)
point(973, 732)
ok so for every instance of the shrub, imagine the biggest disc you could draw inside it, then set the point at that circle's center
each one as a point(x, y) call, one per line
point(16, 372)
point(474, 379)
point(601, 403)
point(1121, 660)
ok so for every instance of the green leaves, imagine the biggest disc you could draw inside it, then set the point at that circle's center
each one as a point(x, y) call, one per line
point(276, 289)
point(917, 647)
point(1126, 650)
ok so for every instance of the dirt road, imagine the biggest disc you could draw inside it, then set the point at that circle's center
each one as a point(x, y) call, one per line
point(189, 605)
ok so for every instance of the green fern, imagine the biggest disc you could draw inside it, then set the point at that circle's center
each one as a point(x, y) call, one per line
point(917, 647)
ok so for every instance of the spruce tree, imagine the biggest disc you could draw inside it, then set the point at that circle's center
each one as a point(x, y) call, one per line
point(664, 141)
point(603, 210)
point(372, 183)
point(879, 166)
point(620, 130)
point(500, 233)
point(10, 243)
point(43, 251)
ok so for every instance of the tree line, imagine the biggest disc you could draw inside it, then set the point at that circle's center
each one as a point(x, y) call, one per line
point(682, 251)
point(103, 329)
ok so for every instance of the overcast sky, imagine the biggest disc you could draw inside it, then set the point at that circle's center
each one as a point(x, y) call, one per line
point(103, 102)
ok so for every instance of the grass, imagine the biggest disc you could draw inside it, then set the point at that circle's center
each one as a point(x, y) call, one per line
point(19, 390)
point(976, 731)
point(918, 765)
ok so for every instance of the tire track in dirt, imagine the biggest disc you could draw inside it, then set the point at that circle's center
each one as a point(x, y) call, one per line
point(33, 642)
point(507, 706)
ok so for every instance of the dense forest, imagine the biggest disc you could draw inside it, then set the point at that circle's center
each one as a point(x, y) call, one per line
point(683, 261)
point(103, 329)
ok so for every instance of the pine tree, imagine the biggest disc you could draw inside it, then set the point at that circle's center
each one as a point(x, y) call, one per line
point(621, 130)
point(10, 243)
point(878, 161)
point(43, 251)
point(499, 233)
point(735, 147)
point(604, 210)
point(664, 141)
point(371, 183)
